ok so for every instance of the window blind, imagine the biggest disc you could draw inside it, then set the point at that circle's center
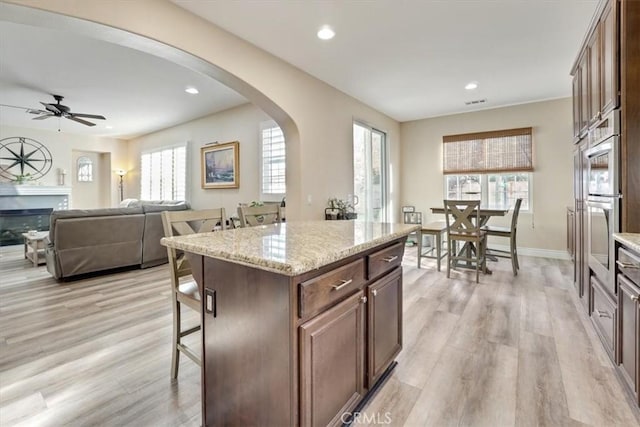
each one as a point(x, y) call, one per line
point(163, 174)
point(273, 161)
point(482, 152)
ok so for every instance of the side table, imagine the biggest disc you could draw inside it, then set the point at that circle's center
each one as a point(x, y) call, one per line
point(36, 243)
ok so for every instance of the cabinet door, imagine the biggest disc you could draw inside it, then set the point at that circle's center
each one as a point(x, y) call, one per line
point(332, 363)
point(628, 332)
point(384, 337)
point(609, 58)
point(576, 103)
point(593, 50)
point(584, 94)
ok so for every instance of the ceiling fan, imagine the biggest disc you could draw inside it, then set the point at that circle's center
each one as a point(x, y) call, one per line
point(59, 110)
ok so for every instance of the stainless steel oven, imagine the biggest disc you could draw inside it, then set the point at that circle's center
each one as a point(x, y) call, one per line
point(603, 200)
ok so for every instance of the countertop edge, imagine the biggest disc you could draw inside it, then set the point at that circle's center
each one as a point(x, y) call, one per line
point(285, 268)
point(631, 240)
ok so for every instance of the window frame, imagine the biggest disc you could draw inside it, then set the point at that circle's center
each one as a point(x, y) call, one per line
point(187, 180)
point(270, 196)
point(484, 187)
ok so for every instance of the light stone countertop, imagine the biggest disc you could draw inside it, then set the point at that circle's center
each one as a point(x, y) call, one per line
point(291, 248)
point(630, 240)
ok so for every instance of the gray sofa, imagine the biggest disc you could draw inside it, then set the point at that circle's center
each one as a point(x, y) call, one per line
point(87, 241)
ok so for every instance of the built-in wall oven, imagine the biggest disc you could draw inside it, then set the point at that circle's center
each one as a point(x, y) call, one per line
point(603, 200)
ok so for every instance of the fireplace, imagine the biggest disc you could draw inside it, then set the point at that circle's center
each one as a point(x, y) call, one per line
point(14, 222)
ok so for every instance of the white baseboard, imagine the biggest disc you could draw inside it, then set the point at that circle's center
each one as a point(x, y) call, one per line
point(536, 252)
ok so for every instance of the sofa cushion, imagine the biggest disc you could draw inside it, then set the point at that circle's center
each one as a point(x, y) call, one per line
point(84, 213)
point(159, 208)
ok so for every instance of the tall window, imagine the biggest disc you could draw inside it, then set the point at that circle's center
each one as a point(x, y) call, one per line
point(163, 174)
point(273, 159)
point(494, 167)
point(370, 173)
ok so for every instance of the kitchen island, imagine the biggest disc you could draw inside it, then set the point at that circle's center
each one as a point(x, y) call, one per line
point(300, 320)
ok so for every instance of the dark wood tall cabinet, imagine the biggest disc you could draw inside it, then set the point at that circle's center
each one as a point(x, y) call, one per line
point(606, 77)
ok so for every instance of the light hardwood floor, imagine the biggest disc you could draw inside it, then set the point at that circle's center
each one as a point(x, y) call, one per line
point(508, 351)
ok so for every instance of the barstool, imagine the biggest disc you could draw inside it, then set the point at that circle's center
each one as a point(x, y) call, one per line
point(437, 230)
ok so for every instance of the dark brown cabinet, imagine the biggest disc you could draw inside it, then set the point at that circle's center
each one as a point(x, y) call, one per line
point(576, 95)
point(593, 53)
point(606, 77)
point(584, 95)
point(629, 343)
point(628, 280)
point(581, 266)
point(384, 337)
point(571, 235)
point(609, 58)
point(604, 316)
point(332, 363)
point(304, 350)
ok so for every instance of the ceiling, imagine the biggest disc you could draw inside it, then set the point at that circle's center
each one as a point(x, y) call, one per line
point(409, 59)
point(412, 58)
point(137, 93)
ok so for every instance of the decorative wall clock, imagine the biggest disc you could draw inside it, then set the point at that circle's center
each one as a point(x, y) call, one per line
point(22, 157)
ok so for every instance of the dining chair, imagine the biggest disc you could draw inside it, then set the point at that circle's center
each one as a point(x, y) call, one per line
point(510, 233)
point(251, 216)
point(185, 290)
point(463, 218)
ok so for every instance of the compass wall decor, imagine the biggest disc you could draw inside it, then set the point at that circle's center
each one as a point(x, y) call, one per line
point(22, 157)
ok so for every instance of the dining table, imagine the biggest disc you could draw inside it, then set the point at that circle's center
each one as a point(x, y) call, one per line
point(485, 213)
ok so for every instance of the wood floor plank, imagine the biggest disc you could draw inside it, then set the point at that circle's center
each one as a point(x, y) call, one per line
point(541, 400)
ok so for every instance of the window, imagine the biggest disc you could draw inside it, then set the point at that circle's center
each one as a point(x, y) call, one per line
point(492, 189)
point(369, 173)
point(163, 174)
point(273, 159)
point(85, 169)
point(491, 166)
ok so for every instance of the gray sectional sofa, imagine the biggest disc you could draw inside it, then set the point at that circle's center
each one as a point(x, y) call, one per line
point(87, 241)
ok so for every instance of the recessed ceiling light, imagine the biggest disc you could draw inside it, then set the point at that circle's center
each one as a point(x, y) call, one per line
point(471, 85)
point(108, 127)
point(192, 90)
point(326, 33)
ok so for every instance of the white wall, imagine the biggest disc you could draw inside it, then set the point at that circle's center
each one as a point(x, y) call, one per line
point(237, 124)
point(92, 194)
point(543, 228)
point(62, 145)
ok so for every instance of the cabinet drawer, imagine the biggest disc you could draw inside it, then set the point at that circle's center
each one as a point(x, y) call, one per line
point(320, 292)
point(385, 260)
point(604, 316)
point(629, 265)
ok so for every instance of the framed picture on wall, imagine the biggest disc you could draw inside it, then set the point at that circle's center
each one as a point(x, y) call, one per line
point(220, 165)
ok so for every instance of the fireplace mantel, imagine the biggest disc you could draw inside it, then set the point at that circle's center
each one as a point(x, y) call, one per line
point(33, 190)
point(34, 197)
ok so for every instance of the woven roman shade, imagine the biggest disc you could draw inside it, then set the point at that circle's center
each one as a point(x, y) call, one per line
point(483, 152)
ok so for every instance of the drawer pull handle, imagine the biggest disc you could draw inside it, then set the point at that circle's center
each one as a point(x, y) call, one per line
point(627, 265)
point(603, 314)
point(390, 258)
point(363, 299)
point(635, 298)
point(374, 292)
point(342, 284)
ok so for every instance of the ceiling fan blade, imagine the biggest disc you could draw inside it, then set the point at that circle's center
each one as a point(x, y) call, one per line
point(88, 116)
point(30, 111)
point(84, 122)
point(44, 116)
point(52, 108)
